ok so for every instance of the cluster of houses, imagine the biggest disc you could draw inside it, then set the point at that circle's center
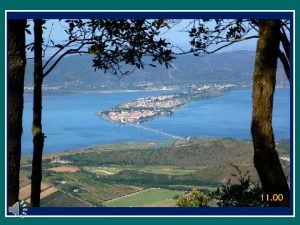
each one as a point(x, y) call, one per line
point(163, 101)
point(144, 108)
point(131, 116)
point(59, 160)
point(210, 87)
point(61, 182)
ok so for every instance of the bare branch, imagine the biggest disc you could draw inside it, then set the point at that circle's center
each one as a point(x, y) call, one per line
point(28, 45)
point(70, 51)
point(232, 42)
point(286, 24)
point(254, 27)
point(46, 46)
point(56, 53)
point(285, 64)
point(285, 43)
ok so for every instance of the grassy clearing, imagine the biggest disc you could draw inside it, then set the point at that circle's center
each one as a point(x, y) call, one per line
point(169, 170)
point(150, 197)
point(159, 169)
point(103, 170)
point(138, 145)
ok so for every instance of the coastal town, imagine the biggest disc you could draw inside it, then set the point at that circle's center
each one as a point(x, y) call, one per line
point(143, 109)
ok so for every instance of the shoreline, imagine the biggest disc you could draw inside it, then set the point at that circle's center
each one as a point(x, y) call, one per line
point(105, 146)
point(108, 91)
point(74, 91)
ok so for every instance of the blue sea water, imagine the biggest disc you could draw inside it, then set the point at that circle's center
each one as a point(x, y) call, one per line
point(70, 121)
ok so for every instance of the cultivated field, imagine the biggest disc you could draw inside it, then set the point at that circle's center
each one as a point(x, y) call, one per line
point(46, 190)
point(84, 186)
point(65, 169)
point(61, 199)
point(24, 177)
point(142, 173)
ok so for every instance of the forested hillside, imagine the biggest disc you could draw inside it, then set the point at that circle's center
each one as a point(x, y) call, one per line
point(76, 72)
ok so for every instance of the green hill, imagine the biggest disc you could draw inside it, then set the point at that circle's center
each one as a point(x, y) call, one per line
point(132, 173)
point(76, 72)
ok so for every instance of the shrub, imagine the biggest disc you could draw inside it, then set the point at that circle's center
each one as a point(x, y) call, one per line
point(244, 194)
point(194, 198)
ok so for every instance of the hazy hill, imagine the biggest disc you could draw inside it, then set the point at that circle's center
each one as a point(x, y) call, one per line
point(230, 67)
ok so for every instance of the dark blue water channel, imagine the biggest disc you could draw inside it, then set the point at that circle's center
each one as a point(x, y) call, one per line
point(70, 122)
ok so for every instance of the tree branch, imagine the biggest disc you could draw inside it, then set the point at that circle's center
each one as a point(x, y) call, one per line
point(70, 51)
point(55, 63)
point(30, 44)
point(56, 53)
point(46, 46)
point(285, 63)
point(217, 49)
point(232, 42)
point(285, 43)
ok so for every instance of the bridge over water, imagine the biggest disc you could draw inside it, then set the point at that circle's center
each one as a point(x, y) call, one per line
point(145, 128)
point(155, 131)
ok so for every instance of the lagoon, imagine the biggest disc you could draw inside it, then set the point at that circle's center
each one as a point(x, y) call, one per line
point(70, 120)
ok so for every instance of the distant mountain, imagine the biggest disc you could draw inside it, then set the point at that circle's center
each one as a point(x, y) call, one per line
point(76, 72)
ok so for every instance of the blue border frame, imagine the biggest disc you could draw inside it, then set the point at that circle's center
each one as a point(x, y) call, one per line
point(292, 112)
point(170, 211)
point(159, 211)
point(149, 15)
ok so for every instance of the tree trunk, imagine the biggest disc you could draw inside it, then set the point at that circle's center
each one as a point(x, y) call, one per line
point(38, 135)
point(15, 88)
point(266, 160)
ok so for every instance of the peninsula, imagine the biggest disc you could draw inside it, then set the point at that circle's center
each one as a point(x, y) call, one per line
point(143, 109)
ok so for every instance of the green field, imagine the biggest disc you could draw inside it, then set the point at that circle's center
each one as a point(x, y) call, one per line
point(150, 197)
point(146, 173)
point(159, 169)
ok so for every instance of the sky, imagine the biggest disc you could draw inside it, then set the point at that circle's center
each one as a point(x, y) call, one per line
point(176, 35)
